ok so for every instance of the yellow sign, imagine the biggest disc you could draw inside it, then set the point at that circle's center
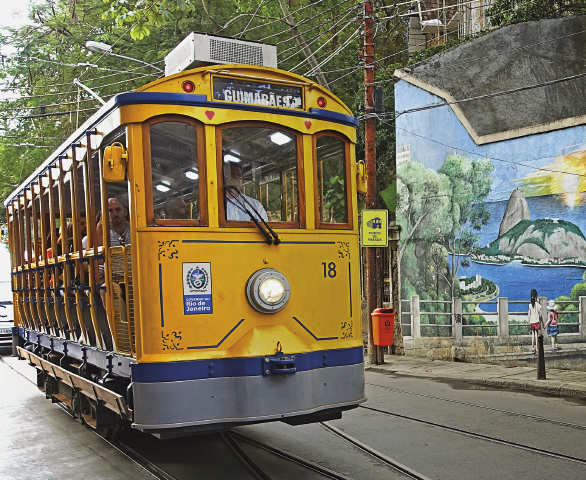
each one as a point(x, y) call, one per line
point(375, 228)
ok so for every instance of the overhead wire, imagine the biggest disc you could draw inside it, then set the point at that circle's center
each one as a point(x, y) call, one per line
point(321, 46)
point(290, 13)
point(491, 95)
point(52, 85)
point(69, 91)
point(261, 3)
point(458, 149)
point(312, 40)
point(336, 52)
point(304, 21)
point(305, 32)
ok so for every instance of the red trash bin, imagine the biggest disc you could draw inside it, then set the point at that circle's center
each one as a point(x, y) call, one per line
point(383, 326)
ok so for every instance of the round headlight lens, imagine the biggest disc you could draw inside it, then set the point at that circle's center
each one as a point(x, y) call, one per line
point(271, 290)
point(268, 290)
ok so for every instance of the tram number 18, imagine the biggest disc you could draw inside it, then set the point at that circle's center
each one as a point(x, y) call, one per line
point(329, 269)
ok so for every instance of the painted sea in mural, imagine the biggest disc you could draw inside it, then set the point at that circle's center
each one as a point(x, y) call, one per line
point(516, 280)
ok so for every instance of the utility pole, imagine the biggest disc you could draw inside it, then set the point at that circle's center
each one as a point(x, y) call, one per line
point(375, 354)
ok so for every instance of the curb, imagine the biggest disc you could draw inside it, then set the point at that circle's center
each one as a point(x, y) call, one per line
point(557, 389)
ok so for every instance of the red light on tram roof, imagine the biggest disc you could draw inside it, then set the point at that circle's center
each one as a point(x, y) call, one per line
point(321, 102)
point(188, 87)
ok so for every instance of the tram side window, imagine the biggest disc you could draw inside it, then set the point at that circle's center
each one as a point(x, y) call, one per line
point(260, 174)
point(175, 171)
point(331, 179)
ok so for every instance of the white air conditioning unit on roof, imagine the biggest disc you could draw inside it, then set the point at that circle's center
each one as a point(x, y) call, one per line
point(198, 49)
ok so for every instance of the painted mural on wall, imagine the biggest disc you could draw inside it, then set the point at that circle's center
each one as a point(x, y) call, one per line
point(481, 221)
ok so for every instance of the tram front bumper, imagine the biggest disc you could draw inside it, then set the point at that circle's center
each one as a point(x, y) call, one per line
point(165, 408)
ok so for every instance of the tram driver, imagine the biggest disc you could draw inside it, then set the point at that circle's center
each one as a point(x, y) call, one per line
point(237, 203)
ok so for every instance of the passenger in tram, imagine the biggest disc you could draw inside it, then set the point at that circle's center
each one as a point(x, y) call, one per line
point(237, 204)
point(119, 237)
point(119, 226)
point(176, 208)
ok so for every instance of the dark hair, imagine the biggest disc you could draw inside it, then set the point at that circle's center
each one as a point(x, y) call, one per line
point(533, 297)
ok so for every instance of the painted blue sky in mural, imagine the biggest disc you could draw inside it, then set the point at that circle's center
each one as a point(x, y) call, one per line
point(436, 133)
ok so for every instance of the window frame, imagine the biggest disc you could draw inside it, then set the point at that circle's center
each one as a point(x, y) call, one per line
point(223, 222)
point(201, 170)
point(349, 225)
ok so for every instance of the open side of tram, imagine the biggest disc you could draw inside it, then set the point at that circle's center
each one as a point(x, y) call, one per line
point(188, 260)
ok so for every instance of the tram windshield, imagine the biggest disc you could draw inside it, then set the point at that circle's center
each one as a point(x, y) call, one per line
point(260, 174)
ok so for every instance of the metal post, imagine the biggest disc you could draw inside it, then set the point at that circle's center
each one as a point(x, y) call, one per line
point(367, 53)
point(415, 318)
point(394, 288)
point(502, 309)
point(457, 319)
point(582, 317)
point(540, 359)
point(15, 339)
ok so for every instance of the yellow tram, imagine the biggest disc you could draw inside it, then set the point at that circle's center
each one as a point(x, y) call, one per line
point(221, 286)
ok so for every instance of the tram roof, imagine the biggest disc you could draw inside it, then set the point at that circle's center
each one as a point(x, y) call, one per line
point(150, 94)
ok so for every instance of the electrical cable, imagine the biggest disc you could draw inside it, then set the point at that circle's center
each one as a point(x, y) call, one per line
point(457, 149)
point(304, 21)
point(101, 77)
point(311, 41)
point(69, 91)
point(492, 95)
point(413, 14)
point(336, 52)
point(306, 59)
point(261, 3)
point(291, 13)
point(305, 32)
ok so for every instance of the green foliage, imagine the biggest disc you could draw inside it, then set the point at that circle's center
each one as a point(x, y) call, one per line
point(335, 199)
point(579, 290)
point(503, 12)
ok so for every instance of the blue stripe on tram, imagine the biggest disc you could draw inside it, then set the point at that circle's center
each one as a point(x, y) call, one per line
point(239, 367)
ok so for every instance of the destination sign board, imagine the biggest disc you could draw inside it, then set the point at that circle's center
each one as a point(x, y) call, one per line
point(265, 94)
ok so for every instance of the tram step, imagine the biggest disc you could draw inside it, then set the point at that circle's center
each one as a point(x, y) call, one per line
point(62, 398)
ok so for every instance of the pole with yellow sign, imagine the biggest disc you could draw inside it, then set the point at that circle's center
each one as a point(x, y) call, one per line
point(374, 233)
point(375, 228)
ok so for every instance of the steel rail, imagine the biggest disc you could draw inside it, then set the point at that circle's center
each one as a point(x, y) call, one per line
point(326, 472)
point(375, 453)
point(250, 465)
point(475, 405)
point(480, 436)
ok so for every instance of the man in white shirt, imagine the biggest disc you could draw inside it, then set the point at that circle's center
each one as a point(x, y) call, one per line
point(236, 204)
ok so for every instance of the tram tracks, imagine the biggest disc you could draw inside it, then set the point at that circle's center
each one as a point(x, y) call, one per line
point(409, 472)
point(475, 405)
point(480, 436)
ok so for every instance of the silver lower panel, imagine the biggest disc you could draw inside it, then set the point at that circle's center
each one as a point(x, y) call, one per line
point(237, 400)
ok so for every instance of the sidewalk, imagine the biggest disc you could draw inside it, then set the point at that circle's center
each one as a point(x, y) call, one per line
point(563, 383)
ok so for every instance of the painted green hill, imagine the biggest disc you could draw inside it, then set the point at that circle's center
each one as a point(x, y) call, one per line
point(544, 241)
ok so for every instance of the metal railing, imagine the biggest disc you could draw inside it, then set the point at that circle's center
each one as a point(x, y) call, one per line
point(430, 318)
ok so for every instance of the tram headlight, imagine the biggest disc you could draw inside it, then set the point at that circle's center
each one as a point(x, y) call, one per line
point(268, 290)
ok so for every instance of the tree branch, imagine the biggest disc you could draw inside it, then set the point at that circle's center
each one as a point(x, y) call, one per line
point(207, 13)
point(411, 234)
